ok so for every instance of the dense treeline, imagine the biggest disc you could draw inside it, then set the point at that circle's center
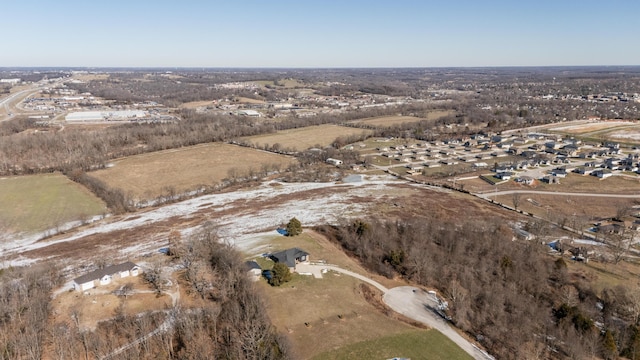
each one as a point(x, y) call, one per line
point(25, 307)
point(47, 151)
point(233, 324)
point(510, 296)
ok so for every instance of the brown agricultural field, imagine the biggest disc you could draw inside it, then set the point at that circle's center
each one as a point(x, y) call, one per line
point(149, 176)
point(387, 121)
point(582, 127)
point(196, 104)
point(557, 207)
point(304, 138)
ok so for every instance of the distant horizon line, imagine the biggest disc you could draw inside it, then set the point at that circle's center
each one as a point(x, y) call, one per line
point(4, 68)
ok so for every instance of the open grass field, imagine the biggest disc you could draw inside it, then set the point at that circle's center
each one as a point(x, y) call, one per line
point(388, 121)
point(555, 207)
point(38, 202)
point(417, 344)
point(196, 104)
point(319, 315)
point(627, 132)
point(307, 137)
point(584, 126)
point(148, 176)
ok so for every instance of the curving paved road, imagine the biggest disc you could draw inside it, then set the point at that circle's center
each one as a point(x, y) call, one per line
point(411, 302)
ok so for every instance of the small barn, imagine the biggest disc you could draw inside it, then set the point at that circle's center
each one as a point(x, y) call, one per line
point(253, 270)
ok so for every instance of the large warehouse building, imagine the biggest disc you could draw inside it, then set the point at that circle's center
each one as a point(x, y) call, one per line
point(119, 115)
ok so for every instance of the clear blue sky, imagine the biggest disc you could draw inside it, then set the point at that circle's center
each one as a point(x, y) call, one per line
point(314, 33)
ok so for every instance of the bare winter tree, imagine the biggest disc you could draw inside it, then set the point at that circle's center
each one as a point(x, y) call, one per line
point(515, 199)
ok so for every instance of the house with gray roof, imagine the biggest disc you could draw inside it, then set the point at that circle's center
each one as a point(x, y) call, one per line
point(105, 275)
point(291, 257)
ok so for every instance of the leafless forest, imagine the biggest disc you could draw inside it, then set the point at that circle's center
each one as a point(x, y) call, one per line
point(511, 296)
point(231, 322)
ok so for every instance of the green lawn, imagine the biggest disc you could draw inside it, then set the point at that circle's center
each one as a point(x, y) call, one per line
point(39, 202)
point(417, 344)
point(491, 179)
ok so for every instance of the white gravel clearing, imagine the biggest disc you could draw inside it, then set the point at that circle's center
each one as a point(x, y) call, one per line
point(245, 230)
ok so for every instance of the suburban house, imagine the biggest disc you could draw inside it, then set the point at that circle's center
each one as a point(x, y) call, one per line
point(602, 174)
point(105, 275)
point(550, 179)
point(527, 180)
point(559, 172)
point(291, 257)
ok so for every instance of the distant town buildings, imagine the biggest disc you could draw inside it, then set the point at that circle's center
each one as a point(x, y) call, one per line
point(10, 81)
point(105, 115)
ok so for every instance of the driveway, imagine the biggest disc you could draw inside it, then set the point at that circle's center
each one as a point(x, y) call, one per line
point(419, 305)
point(409, 301)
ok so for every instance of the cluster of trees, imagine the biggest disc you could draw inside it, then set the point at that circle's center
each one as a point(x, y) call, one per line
point(232, 323)
point(25, 307)
point(294, 227)
point(229, 321)
point(510, 296)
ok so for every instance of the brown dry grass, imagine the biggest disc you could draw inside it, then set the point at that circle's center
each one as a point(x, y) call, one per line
point(332, 309)
point(148, 176)
point(246, 100)
point(196, 104)
point(386, 121)
point(307, 137)
point(90, 77)
point(584, 128)
point(607, 275)
point(100, 303)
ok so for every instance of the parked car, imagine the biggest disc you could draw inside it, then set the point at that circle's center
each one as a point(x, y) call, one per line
point(267, 274)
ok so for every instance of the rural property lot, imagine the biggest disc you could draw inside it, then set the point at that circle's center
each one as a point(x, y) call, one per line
point(585, 126)
point(38, 202)
point(149, 176)
point(334, 308)
point(306, 137)
point(387, 121)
